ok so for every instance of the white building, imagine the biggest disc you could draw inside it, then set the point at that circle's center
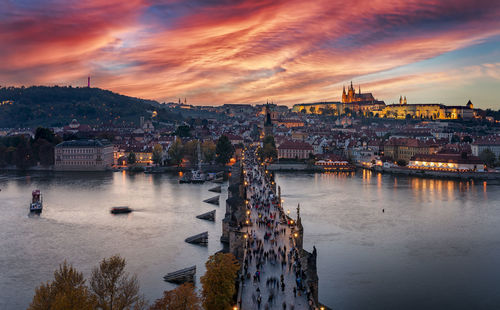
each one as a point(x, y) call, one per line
point(83, 155)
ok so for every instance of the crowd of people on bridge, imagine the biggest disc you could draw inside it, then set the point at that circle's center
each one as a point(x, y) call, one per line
point(270, 247)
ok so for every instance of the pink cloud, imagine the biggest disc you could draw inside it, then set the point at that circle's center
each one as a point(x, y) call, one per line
point(292, 51)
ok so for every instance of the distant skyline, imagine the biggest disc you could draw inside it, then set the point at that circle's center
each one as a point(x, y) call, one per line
point(214, 52)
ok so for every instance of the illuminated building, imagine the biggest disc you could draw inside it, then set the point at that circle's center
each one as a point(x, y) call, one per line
point(365, 104)
point(446, 162)
point(405, 149)
point(83, 155)
point(403, 110)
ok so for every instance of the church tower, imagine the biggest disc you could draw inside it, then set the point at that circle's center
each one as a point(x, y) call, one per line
point(350, 93)
point(344, 96)
point(268, 124)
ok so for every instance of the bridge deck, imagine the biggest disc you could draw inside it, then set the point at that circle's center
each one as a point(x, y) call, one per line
point(259, 189)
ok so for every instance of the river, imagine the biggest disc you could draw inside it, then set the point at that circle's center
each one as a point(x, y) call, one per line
point(435, 246)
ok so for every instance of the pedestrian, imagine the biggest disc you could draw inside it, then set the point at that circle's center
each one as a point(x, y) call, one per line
point(294, 291)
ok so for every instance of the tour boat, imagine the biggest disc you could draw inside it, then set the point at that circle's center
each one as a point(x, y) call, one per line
point(36, 204)
point(120, 210)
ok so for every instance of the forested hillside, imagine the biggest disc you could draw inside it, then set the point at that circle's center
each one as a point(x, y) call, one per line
point(57, 106)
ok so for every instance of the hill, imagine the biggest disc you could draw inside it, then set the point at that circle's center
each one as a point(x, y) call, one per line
point(56, 106)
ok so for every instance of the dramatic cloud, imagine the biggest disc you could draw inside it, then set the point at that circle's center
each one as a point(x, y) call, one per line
point(215, 52)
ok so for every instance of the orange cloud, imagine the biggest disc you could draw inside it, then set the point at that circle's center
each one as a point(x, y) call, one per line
point(246, 51)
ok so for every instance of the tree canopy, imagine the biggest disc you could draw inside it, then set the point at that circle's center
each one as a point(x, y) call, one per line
point(219, 281)
point(113, 287)
point(184, 297)
point(224, 150)
point(57, 106)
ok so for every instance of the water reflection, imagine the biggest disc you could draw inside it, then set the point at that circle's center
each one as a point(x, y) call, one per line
point(76, 225)
point(435, 246)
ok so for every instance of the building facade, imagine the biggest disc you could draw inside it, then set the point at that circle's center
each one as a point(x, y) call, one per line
point(405, 149)
point(403, 110)
point(295, 150)
point(493, 145)
point(447, 162)
point(83, 155)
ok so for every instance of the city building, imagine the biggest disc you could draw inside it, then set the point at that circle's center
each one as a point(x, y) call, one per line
point(405, 149)
point(492, 144)
point(447, 162)
point(294, 150)
point(83, 155)
point(437, 111)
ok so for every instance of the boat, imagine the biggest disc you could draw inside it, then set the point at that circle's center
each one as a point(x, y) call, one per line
point(36, 204)
point(120, 210)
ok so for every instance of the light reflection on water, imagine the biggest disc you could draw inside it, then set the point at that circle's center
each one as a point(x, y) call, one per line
point(436, 246)
point(76, 225)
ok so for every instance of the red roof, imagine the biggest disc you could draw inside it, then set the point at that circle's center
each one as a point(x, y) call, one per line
point(295, 145)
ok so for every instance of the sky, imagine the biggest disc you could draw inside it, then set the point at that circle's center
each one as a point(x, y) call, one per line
point(213, 52)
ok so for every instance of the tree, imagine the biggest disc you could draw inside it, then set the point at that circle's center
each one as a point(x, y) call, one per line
point(157, 154)
point(176, 152)
point(183, 297)
point(312, 110)
point(219, 281)
point(224, 150)
point(24, 157)
point(208, 150)
point(113, 287)
point(190, 149)
point(131, 158)
point(455, 139)
point(46, 154)
point(467, 139)
point(45, 133)
point(183, 131)
point(66, 291)
point(268, 150)
point(402, 163)
point(488, 157)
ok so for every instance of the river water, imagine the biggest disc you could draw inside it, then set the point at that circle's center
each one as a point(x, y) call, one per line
point(436, 246)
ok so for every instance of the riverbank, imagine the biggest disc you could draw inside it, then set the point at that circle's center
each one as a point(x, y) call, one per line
point(137, 168)
point(308, 168)
point(487, 175)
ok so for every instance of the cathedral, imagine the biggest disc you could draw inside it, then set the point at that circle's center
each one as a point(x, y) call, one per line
point(352, 97)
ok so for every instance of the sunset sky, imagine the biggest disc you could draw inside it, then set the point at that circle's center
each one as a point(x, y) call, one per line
point(214, 52)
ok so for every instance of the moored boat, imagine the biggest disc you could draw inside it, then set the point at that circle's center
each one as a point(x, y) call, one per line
point(36, 204)
point(120, 210)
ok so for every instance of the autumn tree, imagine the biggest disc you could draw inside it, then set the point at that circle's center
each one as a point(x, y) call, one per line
point(183, 297)
point(113, 287)
point(66, 292)
point(190, 150)
point(157, 154)
point(224, 150)
point(219, 281)
point(176, 152)
point(208, 150)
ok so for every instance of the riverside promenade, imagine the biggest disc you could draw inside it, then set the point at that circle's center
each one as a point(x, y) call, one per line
point(276, 272)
